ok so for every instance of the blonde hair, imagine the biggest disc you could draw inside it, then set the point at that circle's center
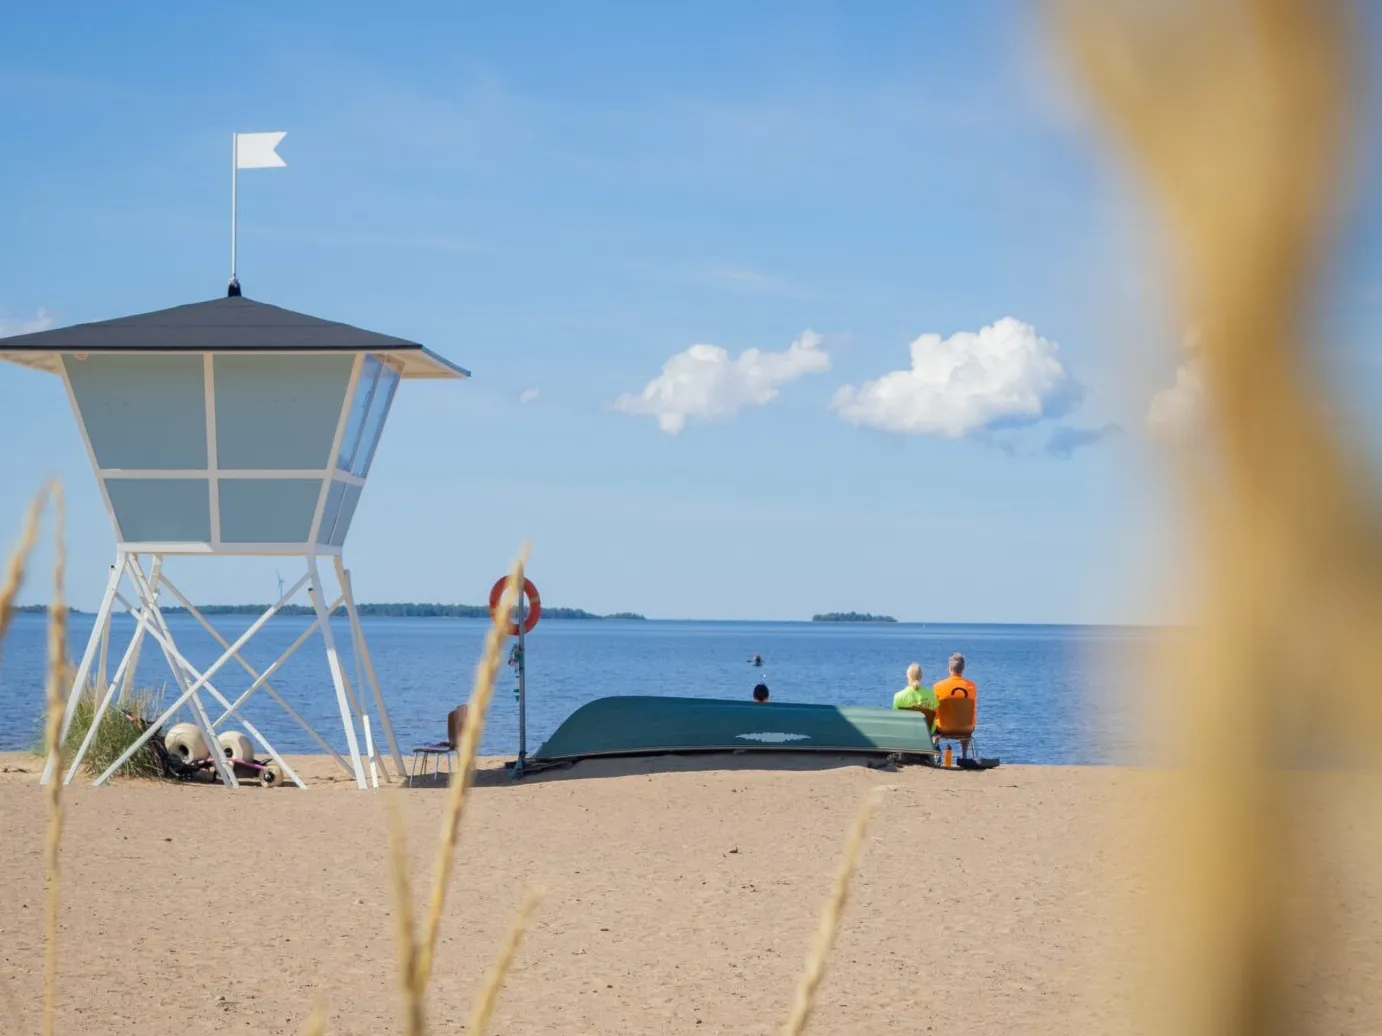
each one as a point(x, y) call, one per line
point(914, 675)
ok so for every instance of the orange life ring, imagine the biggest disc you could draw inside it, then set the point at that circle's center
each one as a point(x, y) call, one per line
point(534, 604)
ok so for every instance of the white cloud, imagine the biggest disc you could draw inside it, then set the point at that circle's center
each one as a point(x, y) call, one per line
point(1003, 374)
point(40, 321)
point(704, 384)
point(529, 395)
point(1174, 412)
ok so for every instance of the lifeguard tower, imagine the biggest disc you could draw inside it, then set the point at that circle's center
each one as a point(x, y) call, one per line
point(229, 428)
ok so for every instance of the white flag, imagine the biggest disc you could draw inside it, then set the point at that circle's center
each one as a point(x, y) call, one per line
point(256, 150)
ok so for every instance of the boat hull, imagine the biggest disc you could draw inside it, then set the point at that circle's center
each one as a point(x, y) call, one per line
point(653, 725)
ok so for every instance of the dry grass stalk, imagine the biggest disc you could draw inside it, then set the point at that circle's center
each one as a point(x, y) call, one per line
point(57, 686)
point(483, 1010)
point(416, 953)
point(15, 569)
point(805, 1000)
point(1239, 115)
point(316, 1022)
point(18, 562)
point(485, 672)
point(414, 1021)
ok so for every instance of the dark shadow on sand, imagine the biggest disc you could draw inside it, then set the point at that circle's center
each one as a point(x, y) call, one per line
point(496, 776)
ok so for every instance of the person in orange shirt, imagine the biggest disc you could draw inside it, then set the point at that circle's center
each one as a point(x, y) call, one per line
point(955, 684)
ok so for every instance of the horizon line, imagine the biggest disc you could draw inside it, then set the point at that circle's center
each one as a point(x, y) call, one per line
point(627, 616)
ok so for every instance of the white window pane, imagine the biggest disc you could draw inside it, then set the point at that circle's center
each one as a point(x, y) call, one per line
point(349, 499)
point(359, 409)
point(267, 510)
point(374, 421)
point(162, 510)
point(333, 506)
point(142, 411)
point(279, 411)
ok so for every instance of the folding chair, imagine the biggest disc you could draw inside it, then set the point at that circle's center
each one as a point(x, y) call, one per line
point(955, 722)
point(455, 721)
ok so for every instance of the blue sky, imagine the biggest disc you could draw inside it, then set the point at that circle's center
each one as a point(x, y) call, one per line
point(563, 199)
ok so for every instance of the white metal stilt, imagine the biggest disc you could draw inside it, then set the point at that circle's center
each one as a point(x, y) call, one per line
point(348, 590)
point(127, 688)
point(357, 697)
point(103, 658)
point(337, 676)
point(84, 669)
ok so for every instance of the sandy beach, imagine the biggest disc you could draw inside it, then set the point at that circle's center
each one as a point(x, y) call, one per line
point(680, 896)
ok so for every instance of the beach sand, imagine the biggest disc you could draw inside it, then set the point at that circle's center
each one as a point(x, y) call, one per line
point(681, 896)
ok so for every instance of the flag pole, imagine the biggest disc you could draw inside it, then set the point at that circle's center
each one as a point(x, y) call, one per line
point(234, 288)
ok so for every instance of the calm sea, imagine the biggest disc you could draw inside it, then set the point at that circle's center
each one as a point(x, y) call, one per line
point(1047, 694)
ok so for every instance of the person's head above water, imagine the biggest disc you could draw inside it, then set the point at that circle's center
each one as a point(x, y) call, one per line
point(914, 675)
point(760, 692)
point(957, 664)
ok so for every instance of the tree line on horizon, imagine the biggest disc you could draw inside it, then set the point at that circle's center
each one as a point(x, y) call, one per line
point(403, 610)
point(424, 610)
point(851, 617)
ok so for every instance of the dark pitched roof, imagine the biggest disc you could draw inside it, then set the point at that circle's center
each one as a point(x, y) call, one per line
point(229, 324)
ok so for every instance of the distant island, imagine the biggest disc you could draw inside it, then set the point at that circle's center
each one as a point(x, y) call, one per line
point(851, 617)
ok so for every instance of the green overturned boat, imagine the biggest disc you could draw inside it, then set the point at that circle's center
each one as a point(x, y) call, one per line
point(651, 725)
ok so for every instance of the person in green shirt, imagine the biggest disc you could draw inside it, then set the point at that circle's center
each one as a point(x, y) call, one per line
point(916, 697)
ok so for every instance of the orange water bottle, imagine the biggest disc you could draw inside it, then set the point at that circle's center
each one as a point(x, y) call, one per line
point(949, 753)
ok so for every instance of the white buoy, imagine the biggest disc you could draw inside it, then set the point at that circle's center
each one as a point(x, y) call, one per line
point(236, 745)
point(185, 741)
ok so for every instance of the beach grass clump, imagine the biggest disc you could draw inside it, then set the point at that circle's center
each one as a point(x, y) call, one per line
point(121, 726)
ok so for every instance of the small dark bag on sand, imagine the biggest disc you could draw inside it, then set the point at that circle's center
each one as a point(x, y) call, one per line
point(965, 763)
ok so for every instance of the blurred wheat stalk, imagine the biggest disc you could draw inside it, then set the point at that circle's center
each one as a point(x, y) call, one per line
point(417, 950)
point(59, 675)
point(18, 563)
point(1238, 113)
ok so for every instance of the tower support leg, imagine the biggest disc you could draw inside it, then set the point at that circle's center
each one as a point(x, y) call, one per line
point(93, 642)
point(333, 661)
point(367, 664)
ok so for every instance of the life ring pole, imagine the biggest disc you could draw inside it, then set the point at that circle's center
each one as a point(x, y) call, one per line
point(529, 610)
point(522, 687)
